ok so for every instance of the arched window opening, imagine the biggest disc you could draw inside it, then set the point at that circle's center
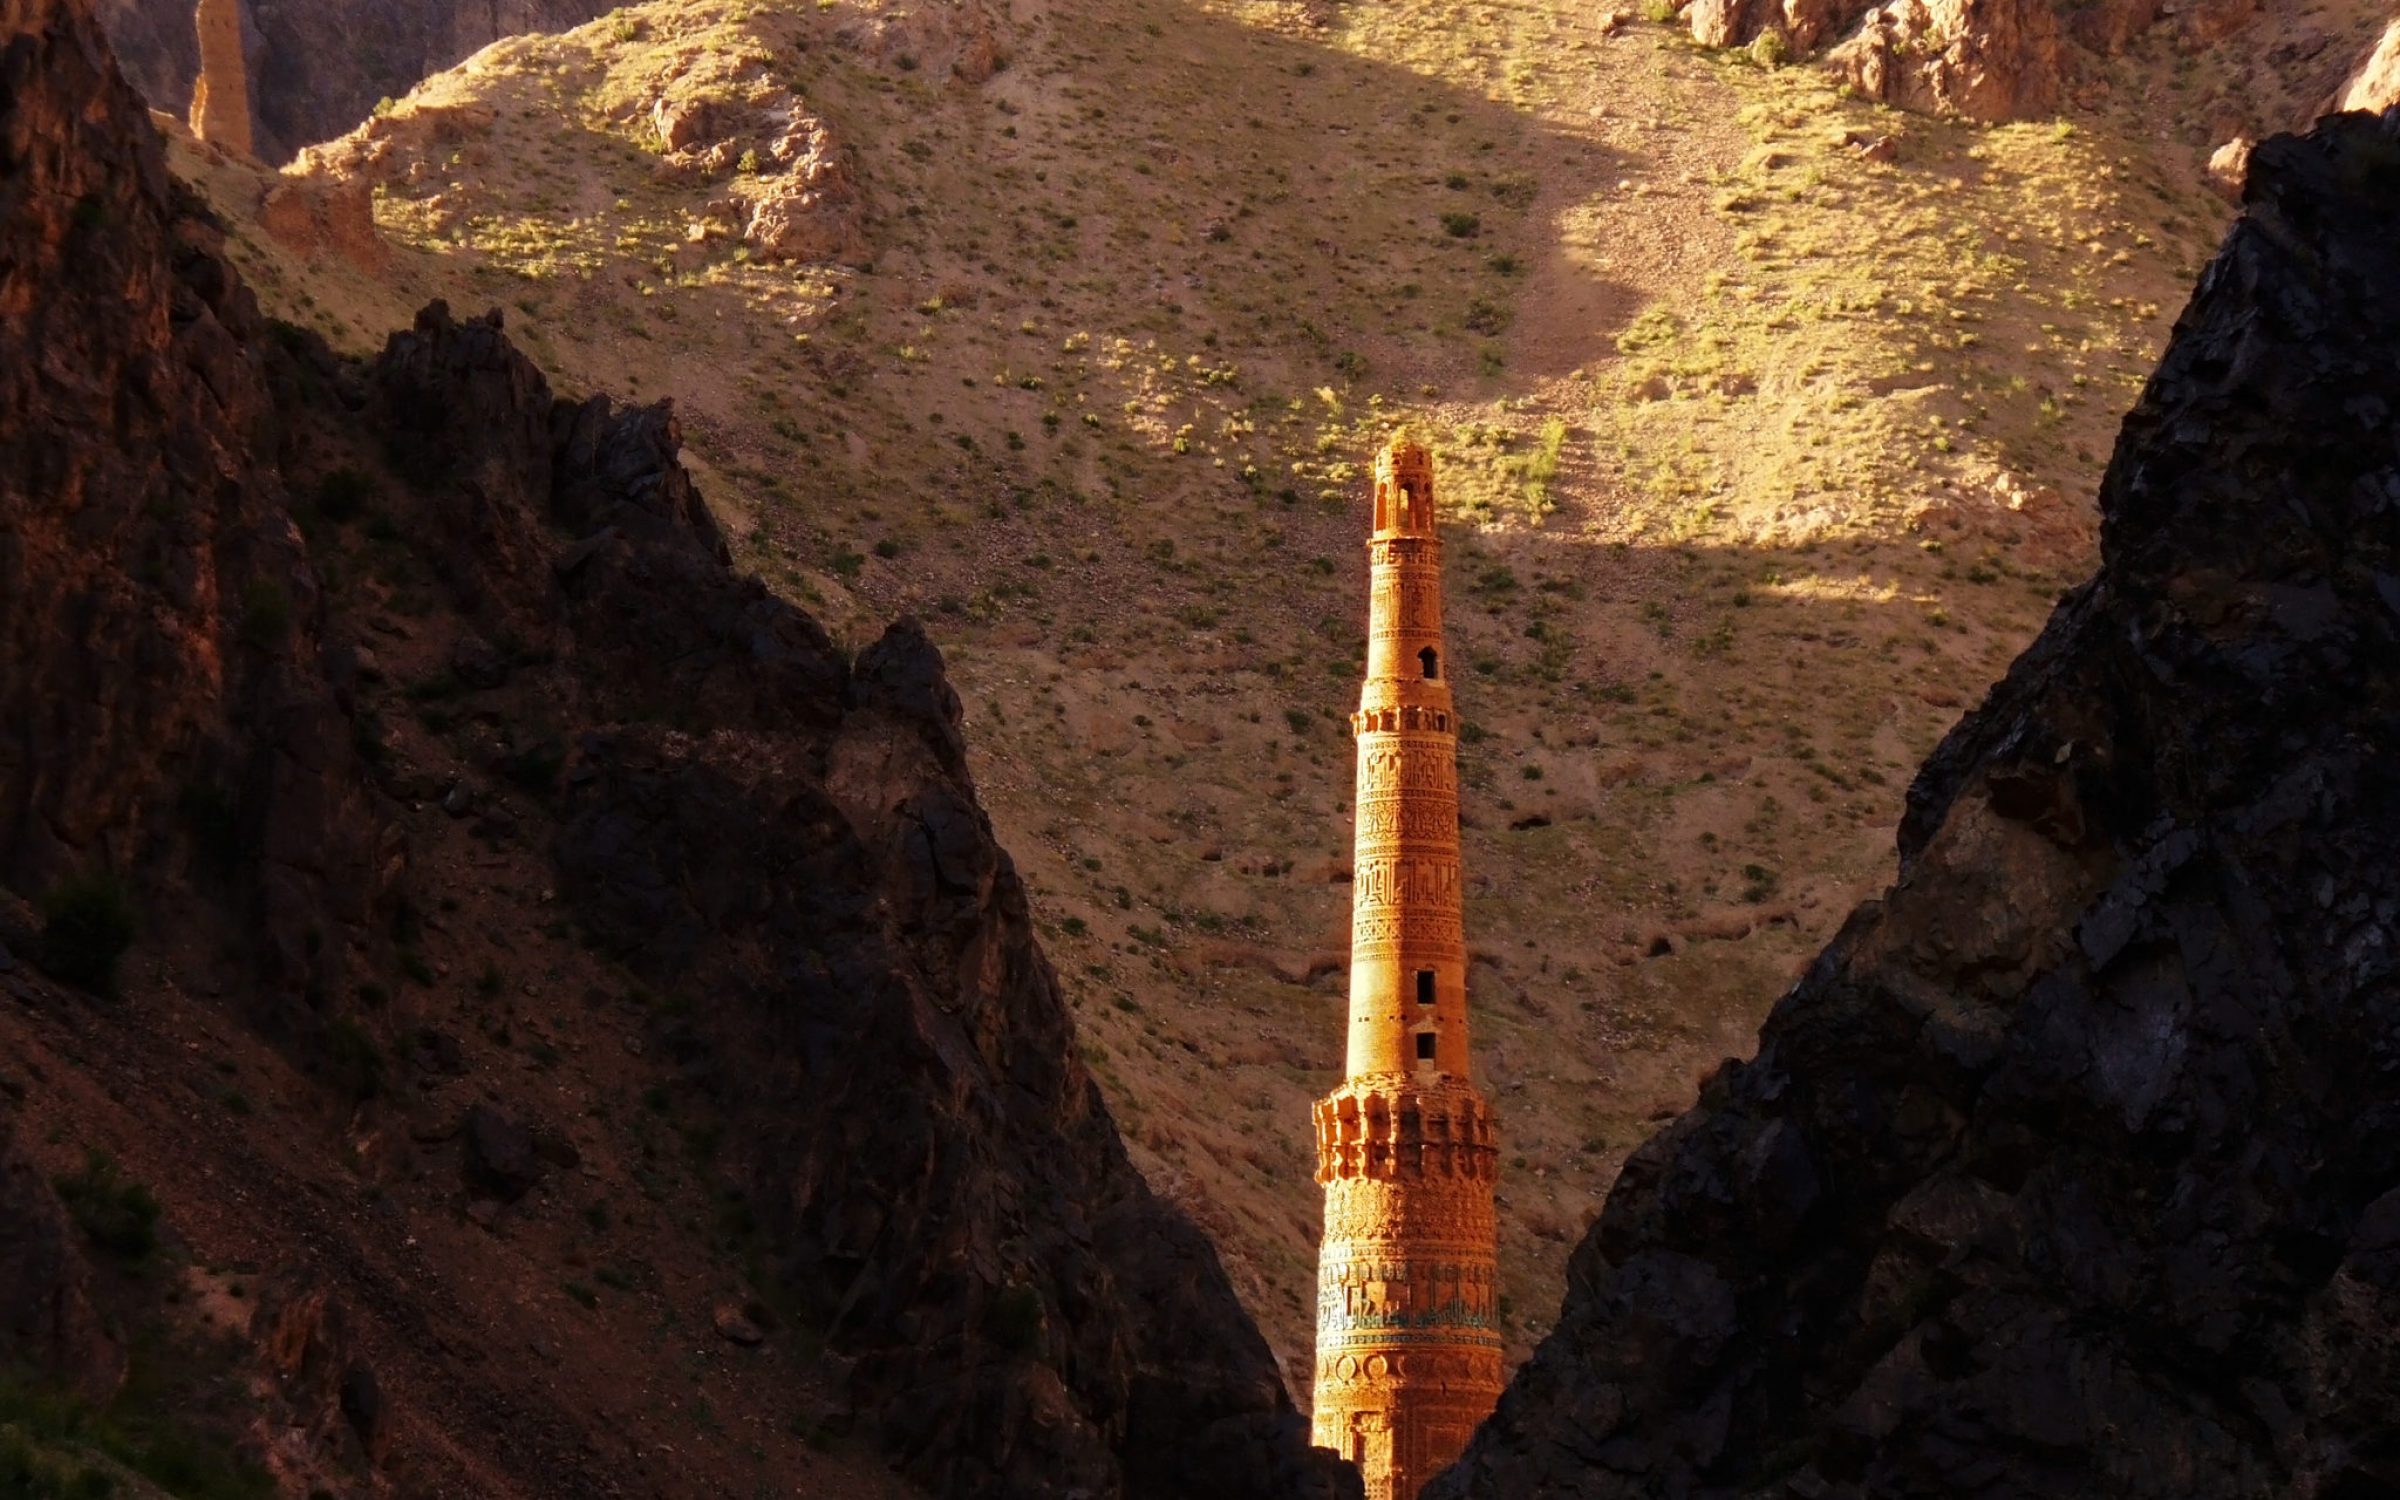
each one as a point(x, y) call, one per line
point(1424, 986)
point(1431, 661)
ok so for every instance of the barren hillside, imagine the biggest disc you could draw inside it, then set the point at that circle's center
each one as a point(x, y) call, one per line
point(1765, 417)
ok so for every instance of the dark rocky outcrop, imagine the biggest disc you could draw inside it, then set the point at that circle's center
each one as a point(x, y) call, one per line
point(317, 68)
point(2072, 1167)
point(784, 842)
point(166, 637)
point(47, 1321)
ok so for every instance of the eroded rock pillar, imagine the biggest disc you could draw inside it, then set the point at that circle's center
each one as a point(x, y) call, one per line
point(221, 97)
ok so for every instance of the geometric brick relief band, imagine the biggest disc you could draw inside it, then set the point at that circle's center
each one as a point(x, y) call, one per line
point(1408, 1358)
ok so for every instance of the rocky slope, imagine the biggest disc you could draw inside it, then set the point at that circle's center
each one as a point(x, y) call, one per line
point(319, 67)
point(338, 681)
point(2071, 1167)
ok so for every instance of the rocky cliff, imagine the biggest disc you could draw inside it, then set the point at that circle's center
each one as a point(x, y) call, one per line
point(2373, 85)
point(1990, 60)
point(318, 68)
point(2073, 1166)
point(328, 682)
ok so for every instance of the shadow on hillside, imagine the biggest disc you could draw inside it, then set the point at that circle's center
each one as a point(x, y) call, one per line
point(1432, 207)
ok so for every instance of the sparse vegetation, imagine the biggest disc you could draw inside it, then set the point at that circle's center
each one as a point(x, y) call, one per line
point(87, 924)
point(53, 1447)
point(117, 1216)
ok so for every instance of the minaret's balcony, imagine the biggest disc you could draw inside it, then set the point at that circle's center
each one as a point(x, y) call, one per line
point(1406, 1131)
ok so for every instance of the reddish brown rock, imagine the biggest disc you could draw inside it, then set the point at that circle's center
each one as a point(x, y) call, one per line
point(960, 38)
point(318, 216)
point(327, 1402)
point(810, 209)
point(2204, 23)
point(1989, 60)
point(1980, 59)
point(2108, 26)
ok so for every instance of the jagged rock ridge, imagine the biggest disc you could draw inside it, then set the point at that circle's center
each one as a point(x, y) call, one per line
point(784, 841)
point(2073, 1165)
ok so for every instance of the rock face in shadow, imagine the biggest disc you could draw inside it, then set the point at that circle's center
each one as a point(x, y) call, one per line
point(318, 68)
point(783, 842)
point(47, 1321)
point(2072, 1167)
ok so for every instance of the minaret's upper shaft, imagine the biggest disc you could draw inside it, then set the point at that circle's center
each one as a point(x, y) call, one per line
point(1404, 601)
point(1408, 1011)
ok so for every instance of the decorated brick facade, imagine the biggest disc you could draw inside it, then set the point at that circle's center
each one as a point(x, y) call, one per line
point(1408, 1341)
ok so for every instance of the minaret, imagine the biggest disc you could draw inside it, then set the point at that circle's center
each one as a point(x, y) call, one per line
point(221, 98)
point(1408, 1341)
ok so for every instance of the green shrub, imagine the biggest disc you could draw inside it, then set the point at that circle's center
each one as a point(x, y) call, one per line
point(1770, 50)
point(212, 815)
point(1460, 225)
point(87, 924)
point(118, 1216)
point(343, 493)
point(26, 1473)
point(54, 1448)
point(535, 768)
point(266, 612)
point(1016, 1319)
point(356, 1061)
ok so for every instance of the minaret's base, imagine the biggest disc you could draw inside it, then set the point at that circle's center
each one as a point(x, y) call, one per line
point(1408, 1328)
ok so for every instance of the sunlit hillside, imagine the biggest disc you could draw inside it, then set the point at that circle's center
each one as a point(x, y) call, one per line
point(1768, 423)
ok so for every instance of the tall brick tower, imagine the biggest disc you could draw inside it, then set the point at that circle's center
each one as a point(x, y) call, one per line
point(1408, 1342)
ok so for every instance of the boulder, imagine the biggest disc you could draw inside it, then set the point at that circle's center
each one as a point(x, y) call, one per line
point(2229, 168)
point(1987, 60)
point(324, 215)
point(809, 210)
point(502, 1158)
point(329, 1404)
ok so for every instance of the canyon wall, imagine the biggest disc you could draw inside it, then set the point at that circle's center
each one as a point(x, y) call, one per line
point(2072, 1166)
point(277, 624)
